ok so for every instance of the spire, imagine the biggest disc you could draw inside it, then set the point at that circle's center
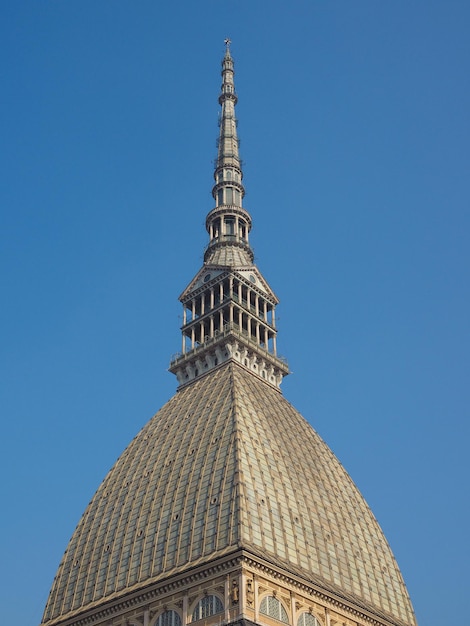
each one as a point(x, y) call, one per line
point(228, 308)
point(228, 155)
point(228, 224)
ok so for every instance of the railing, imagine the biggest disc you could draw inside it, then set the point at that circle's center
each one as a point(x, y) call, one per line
point(228, 329)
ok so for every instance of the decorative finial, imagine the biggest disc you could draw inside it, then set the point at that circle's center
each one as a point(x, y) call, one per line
point(227, 42)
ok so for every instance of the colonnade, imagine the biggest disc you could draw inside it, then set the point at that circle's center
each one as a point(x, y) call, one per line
point(229, 226)
point(229, 304)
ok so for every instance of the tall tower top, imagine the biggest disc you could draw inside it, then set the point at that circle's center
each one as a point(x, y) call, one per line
point(228, 308)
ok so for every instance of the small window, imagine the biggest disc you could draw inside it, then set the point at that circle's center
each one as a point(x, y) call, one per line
point(229, 226)
point(168, 618)
point(307, 619)
point(272, 607)
point(207, 606)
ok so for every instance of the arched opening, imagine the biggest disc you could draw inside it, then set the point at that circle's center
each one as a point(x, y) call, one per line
point(168, 618)
point(207, 606)
point(272, 607)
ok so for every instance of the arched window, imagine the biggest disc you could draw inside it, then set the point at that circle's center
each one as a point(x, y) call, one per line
point(272, 607)
point(207, 606)
point(307, 619)
point(168, 618)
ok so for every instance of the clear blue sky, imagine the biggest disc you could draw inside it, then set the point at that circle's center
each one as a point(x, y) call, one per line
point(355, 134)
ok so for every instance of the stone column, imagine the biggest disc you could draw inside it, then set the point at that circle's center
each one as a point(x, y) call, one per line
point(243, 600)
point(292, 608)
point(227, 602)
point(255, 582)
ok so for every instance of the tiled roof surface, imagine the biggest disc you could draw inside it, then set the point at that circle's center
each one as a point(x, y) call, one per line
point(227, 462)
point(229, 256)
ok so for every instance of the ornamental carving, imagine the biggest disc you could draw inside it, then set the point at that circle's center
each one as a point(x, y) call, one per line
point(234, 591)
point(250, 596)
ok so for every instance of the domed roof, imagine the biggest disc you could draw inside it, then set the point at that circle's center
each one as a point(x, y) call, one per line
point(226, 464)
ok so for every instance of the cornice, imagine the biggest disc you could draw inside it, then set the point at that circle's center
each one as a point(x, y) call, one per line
point(116, 606)
point(231, 345)
point(333, 599)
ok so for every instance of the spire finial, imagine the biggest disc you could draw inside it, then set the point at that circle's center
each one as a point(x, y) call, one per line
point(227, 43)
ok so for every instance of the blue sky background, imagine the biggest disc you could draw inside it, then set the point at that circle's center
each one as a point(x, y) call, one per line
point(355, 134)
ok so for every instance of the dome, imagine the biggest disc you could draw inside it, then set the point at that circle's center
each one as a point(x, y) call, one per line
point(228, 466)
point(228, 507)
